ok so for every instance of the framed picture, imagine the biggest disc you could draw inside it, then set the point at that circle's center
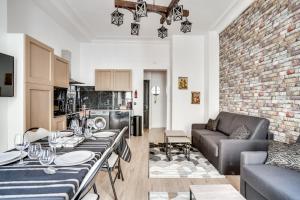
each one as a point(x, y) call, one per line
point(183, 83)
point(195, 97)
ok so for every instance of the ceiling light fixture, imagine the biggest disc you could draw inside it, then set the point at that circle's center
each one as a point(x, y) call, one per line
point(140, 9)
point(117, 18)
point(162, 32)
point(135, 29)
point(186, 26)
point(177, 13)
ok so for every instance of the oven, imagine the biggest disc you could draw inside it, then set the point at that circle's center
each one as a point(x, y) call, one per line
point(59, 101)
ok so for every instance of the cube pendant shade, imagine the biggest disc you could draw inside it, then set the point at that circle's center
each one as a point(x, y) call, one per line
point(117, 18)
point(141, 8)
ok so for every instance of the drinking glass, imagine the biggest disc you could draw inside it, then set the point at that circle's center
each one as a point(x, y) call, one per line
point(46, 158)
point(78, 131)
point(88, 133)
point(34, 150)
point(21, 143)
point(74, 124)
point(90, 123)
point(53, 140)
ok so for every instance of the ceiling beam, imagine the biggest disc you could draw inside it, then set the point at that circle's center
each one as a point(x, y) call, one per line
point(162, 10)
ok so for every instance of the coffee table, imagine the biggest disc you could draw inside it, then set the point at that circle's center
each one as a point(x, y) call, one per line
point(215, 192)
point(180, 138)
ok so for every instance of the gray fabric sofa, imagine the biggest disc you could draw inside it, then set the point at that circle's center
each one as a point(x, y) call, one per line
point(264, 182)
point(224, 153)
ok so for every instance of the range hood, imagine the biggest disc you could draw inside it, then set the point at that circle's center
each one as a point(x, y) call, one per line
point(74, 82)
point(67, 54)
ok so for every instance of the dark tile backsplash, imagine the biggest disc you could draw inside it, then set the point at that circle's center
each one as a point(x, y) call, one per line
point(105, 100)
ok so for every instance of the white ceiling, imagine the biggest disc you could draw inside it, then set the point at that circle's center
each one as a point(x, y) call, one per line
point(89, 20)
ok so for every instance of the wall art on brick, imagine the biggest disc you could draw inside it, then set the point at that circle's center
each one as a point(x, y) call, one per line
point(260, 65)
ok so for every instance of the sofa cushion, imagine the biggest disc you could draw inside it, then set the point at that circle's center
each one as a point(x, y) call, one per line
point(210, 142)
point(212, 124)
point(241, 133)
point(225, 120)
point(284, 155)
point(228, 122)
point(273, 182)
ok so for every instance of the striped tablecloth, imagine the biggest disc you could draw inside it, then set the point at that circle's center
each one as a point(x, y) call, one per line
point(31, 182)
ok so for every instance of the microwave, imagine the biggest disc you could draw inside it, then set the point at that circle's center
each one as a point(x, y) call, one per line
point(59, 101)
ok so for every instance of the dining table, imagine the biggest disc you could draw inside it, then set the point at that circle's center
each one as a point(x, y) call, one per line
point(30, 182)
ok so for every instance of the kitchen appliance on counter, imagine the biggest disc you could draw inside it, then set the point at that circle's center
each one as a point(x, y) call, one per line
point(119, 120)
point(101, 119)
point(59, 101)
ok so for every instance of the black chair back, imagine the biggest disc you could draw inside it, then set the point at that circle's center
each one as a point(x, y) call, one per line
point(90, 178)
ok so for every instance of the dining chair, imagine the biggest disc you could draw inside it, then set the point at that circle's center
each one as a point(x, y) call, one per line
point(88, 184)
point(114, 161)
point(34, 134)
point(87, 189)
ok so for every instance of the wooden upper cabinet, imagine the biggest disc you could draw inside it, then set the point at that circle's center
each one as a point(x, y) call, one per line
point(113, 80)
point(61, 72)
point(103, 80)
point(122, 80)
point(39, 62)
point(39, 110)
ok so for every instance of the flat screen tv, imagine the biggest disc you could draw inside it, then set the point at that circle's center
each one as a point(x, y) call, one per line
point(6, 75)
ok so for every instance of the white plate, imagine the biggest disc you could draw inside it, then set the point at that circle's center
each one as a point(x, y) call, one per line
point(104, 134)
point(74, 158)
point(10, 157)
point(65, 134)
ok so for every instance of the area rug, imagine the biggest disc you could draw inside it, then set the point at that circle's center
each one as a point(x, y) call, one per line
point(169, 196)
point(179, 167)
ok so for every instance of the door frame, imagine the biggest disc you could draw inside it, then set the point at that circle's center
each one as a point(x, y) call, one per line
point(146, 94)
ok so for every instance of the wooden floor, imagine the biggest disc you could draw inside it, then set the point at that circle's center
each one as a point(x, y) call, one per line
point(137, 184)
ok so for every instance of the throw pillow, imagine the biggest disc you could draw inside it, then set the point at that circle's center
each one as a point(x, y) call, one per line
point(284, 155)
point(212, 124)
point(241, 133)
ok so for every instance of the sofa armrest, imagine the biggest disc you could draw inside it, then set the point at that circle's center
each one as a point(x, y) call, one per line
point(253, 157)
point(250, 158)
point(230, 153)
point(198, 126)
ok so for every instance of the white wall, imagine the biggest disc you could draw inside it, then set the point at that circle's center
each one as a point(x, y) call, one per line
point(158, 109)
point(188, 61)
point(12, 109)
point(26, 17)
point(212, 74)
point(134, 55)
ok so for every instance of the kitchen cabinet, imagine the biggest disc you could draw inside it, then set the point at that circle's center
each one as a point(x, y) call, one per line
point(122, 80)
point(59, 123)
point(113, 80)
point(38, 62)
point(103, 80)
point(61, 72)
point(39, 110)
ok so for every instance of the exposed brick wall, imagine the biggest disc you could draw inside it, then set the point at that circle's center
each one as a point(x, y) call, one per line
point(260, 65)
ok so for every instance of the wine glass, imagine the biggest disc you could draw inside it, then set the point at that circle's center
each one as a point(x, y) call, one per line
point(46, 157)
point(34, 150)
point(78, 131)
point(53, 140)
point(21, 143)
point(90, 123)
